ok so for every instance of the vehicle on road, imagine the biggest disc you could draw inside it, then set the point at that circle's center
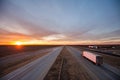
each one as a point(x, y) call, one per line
point(95, 58)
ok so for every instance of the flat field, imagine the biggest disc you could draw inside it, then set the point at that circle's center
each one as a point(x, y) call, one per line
point(6, 50)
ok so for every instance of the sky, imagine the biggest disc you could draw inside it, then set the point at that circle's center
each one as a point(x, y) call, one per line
point(60, 22)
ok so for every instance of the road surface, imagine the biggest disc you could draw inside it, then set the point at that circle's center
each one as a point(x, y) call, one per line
point(96, 72)
point(36, 70)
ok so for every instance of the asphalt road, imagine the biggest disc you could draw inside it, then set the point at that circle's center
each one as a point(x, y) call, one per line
point(36, 70)
point(103, 72)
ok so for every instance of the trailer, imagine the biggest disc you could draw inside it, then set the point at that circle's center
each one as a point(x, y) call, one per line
point(95, 58)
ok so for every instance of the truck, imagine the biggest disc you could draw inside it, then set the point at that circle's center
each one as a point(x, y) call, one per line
point(95, 58)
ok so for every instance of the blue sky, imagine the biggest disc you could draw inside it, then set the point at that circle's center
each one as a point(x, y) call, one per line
point(86, 21)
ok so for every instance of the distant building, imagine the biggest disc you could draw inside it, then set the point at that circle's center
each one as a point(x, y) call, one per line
point(95, 47)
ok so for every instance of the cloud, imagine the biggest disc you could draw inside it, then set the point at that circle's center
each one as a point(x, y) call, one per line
point(7, 36)
point(2, 6)
point(15, 29)
point(14, 26)
point(54, 37)
point(110, 35)
point(56, 21)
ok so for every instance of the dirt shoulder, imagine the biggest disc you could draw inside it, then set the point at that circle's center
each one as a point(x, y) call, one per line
point(66, 67)
point(7, 68)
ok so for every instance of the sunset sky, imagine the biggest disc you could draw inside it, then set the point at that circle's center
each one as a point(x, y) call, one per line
point(60, 21)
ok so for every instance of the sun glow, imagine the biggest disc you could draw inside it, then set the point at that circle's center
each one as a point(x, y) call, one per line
point(18, 43)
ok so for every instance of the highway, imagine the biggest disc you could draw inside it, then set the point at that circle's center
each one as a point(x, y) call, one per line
point(35, 70)
point(102, 72)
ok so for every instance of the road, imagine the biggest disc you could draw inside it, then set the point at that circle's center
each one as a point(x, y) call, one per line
point(102, 72)
point(36, 70)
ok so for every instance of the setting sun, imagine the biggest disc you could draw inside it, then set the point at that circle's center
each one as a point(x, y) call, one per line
point(18, 43)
